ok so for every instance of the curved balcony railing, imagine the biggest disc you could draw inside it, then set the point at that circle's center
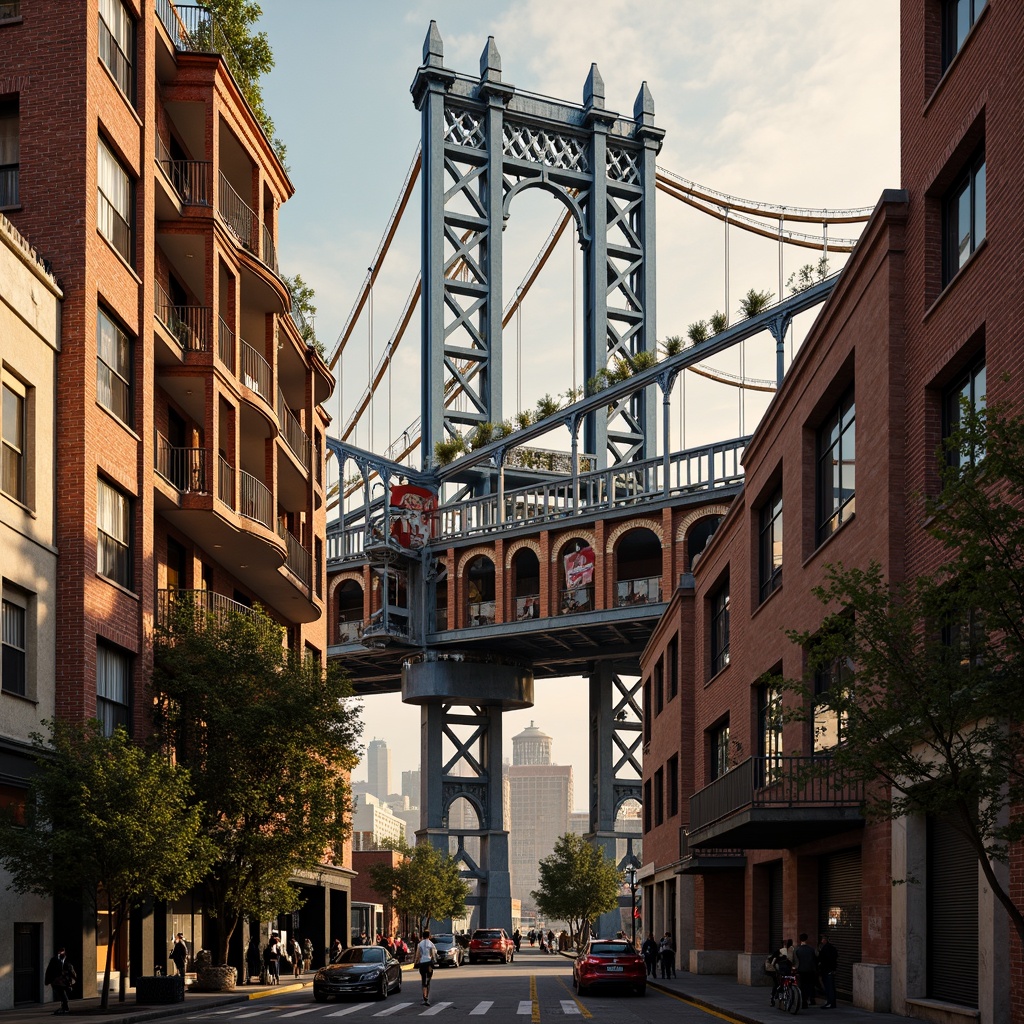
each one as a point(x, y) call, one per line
point(225, 481)
point(189, 326)
point(225, 343)
point(257, 503)
point(256, 373)
point(200, 606)
point(294, 436)
point(238, 215)
point(269, 250)
point(183, 468)
point(298, 560)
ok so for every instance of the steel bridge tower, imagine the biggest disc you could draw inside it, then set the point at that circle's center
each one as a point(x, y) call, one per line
point(483, 143)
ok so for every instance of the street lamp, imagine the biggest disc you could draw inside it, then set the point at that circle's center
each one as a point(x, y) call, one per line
point(631, 882)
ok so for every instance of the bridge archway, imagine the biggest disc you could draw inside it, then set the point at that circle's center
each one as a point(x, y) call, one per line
point(525, 566)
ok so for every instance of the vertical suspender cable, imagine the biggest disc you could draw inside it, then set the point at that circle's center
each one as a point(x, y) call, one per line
point(574, 319)
point(369, 367)
point(727, 317)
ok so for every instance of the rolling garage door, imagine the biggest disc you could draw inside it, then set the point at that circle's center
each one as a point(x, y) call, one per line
point(775, 935)
point(839, 912)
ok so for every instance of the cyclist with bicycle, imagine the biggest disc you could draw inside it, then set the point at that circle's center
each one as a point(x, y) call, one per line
point(782, 965)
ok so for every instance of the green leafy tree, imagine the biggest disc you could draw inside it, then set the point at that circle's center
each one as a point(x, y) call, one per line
point(425, 884)
point(755, 302)
point(302, 296)
point(577, 884)
point(107, 822)
point(269, 737)
point(927, 674)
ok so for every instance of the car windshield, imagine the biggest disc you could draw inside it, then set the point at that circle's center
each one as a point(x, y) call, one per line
point(362, 955)
point(443, 940)
point(483, 934)
point(611, 949)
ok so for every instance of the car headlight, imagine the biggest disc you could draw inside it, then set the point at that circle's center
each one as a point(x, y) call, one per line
point(320, 976)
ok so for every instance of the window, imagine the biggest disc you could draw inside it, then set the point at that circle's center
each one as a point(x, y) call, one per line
point(966, 393)
point(719, 750)
point(958, 17)
point(659, 797)
point(672, 656)
point(14, 668)
point(963, 218)
point(647, 805)
point(837, 449)
point(659, 688)
point(113, 541)
point(769, 730)
point(829, 723)
point(113, 673)
point(770, 549)
point(113, 368)
point(648, 708)
point(116, 46)
point(10, 151)
point(720, 629)
point(672, 782)
point(114, 202)
point(12, 469)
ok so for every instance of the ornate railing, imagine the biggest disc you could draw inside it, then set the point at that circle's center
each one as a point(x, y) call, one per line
point(257, 502)
point(238, 215)
point(294, 436)
point(639, 591)
point(774, 781)
point(188, 325)
point(256, 372)
point(183, 468)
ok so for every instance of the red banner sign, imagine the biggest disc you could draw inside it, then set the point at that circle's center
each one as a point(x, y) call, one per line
point(413, 512)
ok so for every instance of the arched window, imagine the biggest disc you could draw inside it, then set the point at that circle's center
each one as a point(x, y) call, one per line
point(526, 584)
point(637, 567)
point(577, 576)
point(350, 612)
point(480, 591)
point(698, 537)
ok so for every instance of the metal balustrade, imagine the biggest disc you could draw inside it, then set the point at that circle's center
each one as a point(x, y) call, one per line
point(773, 781)
point(182, 468)
point(225, 481)
point(639, 591)
point(192, 180)
point(257, 502)
point(238, 215)
point(200, 606)
point(269, 250)
point(297, 559)
point(189, 326)
point(256, 373)
point(294, 436)
point(194, 29)
point(225, 344)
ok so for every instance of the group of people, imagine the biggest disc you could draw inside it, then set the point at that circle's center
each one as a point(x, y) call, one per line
point(810, 966)
point(659, 954)
point(544, 940)
point(295, 953)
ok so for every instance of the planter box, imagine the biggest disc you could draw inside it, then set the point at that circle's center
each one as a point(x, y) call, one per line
point(159, 989)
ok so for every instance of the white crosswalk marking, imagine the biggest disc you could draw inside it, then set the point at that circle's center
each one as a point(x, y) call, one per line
point(525, 1007)
point(481, 1008)
point(392, 1009)
point(435, 1008)
point(299, 1013)
point(568, 1006)
point(253, 1013)
point(347, 1010)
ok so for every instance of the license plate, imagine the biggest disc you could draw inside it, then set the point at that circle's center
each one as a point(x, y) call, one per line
point(612, 968)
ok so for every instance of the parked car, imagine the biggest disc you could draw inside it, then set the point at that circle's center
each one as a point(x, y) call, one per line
point(491, 944)
point(361, 970)
point(449, 952)
point(609, 962)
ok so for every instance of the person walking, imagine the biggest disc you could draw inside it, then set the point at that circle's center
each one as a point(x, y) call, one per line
point(179, 954)
point(426, 957)
point(307, 953)
point(296, 957)
point(335, 951)
point(828, 961)
point(649, 951)
point(272, 956)
point(667, 954)
point(806, 969)
point(60, 976)
point(517, 938)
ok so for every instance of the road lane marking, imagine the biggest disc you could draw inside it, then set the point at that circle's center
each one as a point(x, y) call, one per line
point(696, 1005)
point(569, 1006)
point(347, 1010)
point(481, 1008)
point(582, 1009)
point(525, 1007)
point(392, 1009)
point(299, 1013)
point(535, 1015)
point(435, 1008)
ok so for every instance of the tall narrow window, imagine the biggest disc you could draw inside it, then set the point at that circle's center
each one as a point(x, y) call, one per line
point(829, 724)
point(10, 151)
point(769, 728)
point(659, 797)
point(837, 454)
point(659, 688)
point(114, 202)
point(966, 394)
point(113, 540)
point(113, 676)
point(720, 629)
point(13, 469)
point(958, 18)
point(117, 44)
point(113, 368)
point(770, 558)
point(672, 657)
point(14, 668)
point(672, 786)
point(963, 217)
point(719, 750)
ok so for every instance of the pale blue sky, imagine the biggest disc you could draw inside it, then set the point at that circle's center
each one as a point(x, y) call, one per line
point(783, 101)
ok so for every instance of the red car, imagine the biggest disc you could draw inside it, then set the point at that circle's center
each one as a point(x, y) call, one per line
point(609, 962)
point(491, 944)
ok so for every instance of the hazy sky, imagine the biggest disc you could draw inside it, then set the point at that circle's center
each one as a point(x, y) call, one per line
point(792, 102)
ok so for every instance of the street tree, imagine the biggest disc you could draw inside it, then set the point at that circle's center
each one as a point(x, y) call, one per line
point(577, 884)
point(269, 737)
point(425, 884)
point(925, 676)
point(105, 822)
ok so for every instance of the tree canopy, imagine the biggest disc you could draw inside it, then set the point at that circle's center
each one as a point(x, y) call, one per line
point(107, 822)
point(425, 884)
point(577, 884)
point(926, 675)
point(269, 737)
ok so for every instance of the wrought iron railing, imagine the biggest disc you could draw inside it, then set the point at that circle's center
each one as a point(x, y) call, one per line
point(200, 606)
point(225, 344)
point(183, 468)
point(639, 591)
point(257, 502)
point(225, 481)
point(113, 227)
point(774, 781)
point(297, 559)
point(269, 250)
point(194, 29)
point(238, 215)
point(115, 59)
point(188, 325)
point(192, 180)
point(548, 460)
point(256, 372)
point(294, 436)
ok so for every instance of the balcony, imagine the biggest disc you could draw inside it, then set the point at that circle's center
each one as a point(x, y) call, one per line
point(294, 436)
point(189, 326)
point(225, 344)
point(770, 803)
point(579, 600)
point(481, 613)
point(194, 29)
point(192, 180)
point(257, 503)
point(297, 560)
point(256, 372)
point(244, 223)
point(225, 481)
point(183, 468)
point(200, 605)
point(641, 591)
point(350, 631)
point(701, 862)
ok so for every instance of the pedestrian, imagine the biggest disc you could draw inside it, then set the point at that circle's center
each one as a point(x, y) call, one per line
point(335, 951)
point(781, 966)
point(307, 953)
point(516, 939)
point(828, 961)
point(551, 940)
point(272, 958)
point(252, 959)
point(296, 957)
point(806, 969)
point(649, 951)
point(426, 957)
point(667, 955)
point(532, 936)
point(179, 954)
point(60, 976)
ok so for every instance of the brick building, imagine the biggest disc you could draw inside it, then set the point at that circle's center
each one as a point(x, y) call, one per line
point(924, 313)
point(190, 419)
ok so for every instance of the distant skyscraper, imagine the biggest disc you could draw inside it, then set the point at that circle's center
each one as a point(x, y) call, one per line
point(378, 768)
point(531, 746)
point(411, 787)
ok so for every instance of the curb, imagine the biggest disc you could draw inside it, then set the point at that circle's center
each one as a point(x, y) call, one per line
point(704, 1004)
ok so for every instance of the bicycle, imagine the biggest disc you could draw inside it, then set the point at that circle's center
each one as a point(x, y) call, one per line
point(790, 998)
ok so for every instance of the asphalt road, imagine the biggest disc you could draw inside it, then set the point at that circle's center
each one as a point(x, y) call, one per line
point(531, 990)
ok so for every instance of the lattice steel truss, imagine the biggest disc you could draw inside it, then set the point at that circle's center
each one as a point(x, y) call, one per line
point(483, 143)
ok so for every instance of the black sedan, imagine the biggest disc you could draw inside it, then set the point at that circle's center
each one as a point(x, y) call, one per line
point(361, 970)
